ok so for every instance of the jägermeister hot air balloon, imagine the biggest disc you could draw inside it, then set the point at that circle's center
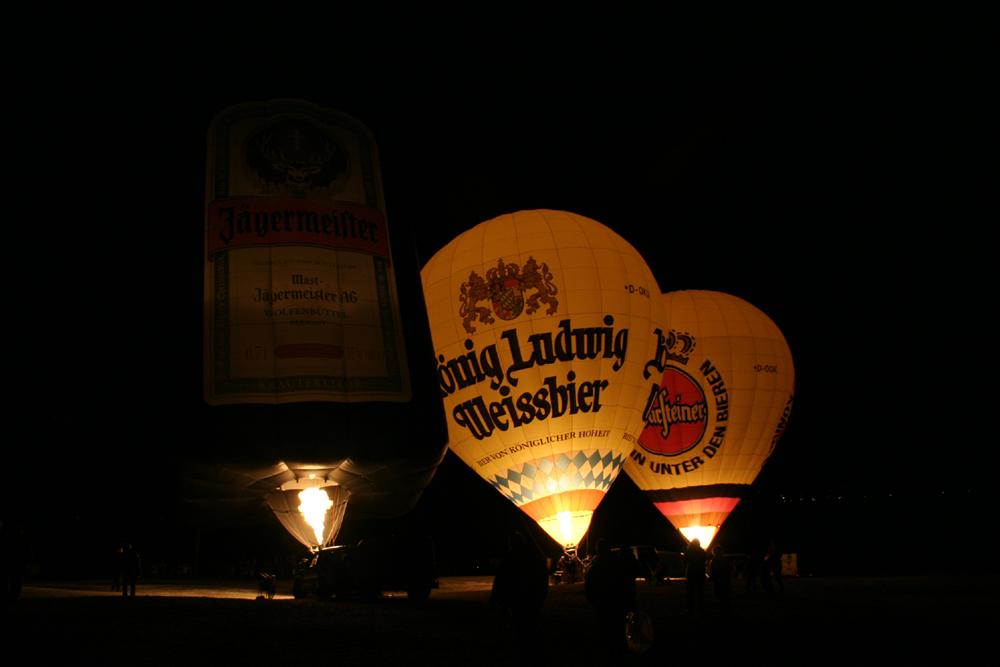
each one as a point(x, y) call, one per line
point(311, 326)
point(541, 323)
point(723, 394)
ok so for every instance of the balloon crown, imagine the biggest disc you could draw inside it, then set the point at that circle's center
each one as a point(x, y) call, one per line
point(674, 346)
point(505, 286)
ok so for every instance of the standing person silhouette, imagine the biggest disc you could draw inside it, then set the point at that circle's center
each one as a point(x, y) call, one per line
point(720, 571)
point(764, 574)
point(14, 551)
point(520, 586)
point(116, 581)
point(751, 571)
point(694, 575)
point(629, 569)
point(772, 562)
point(130, 570)
point(604, 587)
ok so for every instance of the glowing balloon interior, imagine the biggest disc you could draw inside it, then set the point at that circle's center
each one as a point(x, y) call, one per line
point(314, 504)
point(541, 322)
point(311, 513)
point(724, 391)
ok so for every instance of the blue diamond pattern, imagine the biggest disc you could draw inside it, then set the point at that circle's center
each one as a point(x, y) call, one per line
point(587, 469)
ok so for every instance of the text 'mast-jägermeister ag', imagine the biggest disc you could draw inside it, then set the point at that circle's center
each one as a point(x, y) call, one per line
point(304, 346)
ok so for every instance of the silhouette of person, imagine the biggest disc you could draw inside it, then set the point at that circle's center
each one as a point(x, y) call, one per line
point(521, 584)
point(694, 575)
point(772, 562)
point(629, 569)
point(130, 570)
point(603, 588)
point(751, 571)
point(765, 575)
point(116, 581)
point(14, 551)
point(653, 565)
point(570, 569)
point(720, 571)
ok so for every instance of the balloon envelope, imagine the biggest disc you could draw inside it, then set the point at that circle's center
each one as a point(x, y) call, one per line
point(723, 394)
point(290, 506)
point(386, 483)
point(307, 370)
point(541, 322)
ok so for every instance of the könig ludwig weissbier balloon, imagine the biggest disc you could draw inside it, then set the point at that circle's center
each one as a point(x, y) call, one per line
point(724, 390)
point(542, 322)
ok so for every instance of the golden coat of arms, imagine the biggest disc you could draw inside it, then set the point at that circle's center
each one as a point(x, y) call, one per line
point(505, 286)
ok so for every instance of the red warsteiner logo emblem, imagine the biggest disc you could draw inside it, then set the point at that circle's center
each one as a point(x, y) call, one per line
point(676, 414)
point(505, 286)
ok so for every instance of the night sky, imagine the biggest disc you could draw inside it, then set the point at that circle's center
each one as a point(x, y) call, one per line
point(825, 165)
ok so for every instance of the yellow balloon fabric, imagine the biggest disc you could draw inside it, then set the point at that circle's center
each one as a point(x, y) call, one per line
point(542, 322)
point(724, 391)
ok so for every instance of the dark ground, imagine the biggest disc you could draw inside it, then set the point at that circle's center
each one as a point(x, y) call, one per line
point(817, 621)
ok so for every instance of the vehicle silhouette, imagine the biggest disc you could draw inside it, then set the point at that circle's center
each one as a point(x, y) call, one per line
point(373, 567)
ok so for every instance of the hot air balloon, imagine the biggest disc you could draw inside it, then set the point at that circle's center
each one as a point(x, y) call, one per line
point(541, 322)
point(310, 509)
point(311, 398)
point(724, 390)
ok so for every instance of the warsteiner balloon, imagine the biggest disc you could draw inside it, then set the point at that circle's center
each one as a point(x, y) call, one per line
point(541, 323)
point(723, 394)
